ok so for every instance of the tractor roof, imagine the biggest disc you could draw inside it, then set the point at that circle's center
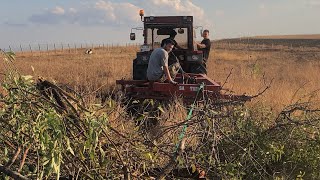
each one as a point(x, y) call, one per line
point(174, 21)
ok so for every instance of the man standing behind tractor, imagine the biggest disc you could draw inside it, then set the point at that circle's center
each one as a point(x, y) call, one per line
point(205, 46)
point(173, 34)
point(158, 69)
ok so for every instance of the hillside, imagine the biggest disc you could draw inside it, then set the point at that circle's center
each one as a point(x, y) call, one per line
point(312, 40)
point(298, 36)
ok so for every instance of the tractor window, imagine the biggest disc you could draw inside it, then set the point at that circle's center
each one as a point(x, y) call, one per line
point(181, 38)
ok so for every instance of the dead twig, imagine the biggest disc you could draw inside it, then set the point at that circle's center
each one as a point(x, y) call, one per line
point(15, 175)
point(14, 157)
point(24, 158)
point(264, 90)
point(226, 80)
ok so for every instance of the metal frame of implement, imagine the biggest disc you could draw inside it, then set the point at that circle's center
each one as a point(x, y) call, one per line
point(142, 89)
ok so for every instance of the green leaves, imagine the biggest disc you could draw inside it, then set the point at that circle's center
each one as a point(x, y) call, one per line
point(161, 109)
point(9, 56)
point(276, 152)
point(69, 147)
point(231, 142)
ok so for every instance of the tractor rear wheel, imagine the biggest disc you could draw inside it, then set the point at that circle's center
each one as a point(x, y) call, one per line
point(198, 69)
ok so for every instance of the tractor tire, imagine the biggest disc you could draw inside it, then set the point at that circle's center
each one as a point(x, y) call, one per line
point(198, 69)
point(139, 70)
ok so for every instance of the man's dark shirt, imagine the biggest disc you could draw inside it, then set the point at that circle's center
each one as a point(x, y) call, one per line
point(206, 50)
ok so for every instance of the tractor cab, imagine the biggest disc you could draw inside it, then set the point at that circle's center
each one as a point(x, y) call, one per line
point(157, 28)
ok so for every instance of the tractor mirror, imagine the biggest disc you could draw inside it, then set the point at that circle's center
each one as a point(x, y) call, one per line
point(180, 31)
point(132, 36)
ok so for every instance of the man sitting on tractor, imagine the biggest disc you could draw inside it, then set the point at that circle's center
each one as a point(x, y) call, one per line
point(158, 69)
point(173, 61)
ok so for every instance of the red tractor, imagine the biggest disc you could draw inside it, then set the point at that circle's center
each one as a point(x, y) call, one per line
point(155, 29)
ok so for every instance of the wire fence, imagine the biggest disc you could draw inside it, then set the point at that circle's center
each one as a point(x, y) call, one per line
point(54, 47)
point(69, 47)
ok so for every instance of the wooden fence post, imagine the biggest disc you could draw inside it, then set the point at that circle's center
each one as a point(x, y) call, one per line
point(47, 48)
point(30, 48)
point(39, 49)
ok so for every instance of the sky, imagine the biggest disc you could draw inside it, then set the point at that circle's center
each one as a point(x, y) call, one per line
point(110, 21)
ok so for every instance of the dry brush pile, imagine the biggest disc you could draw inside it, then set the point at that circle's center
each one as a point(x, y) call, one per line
point(48, 132)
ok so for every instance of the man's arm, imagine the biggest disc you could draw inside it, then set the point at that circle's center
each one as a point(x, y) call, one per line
point(201, 45)
point(167, 73)
point(176, 45)
point(164, 63)
point(206, 43)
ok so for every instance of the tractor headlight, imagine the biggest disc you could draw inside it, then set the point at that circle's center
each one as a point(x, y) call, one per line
point(144, 58)
point(195, 57)
point(144, 48)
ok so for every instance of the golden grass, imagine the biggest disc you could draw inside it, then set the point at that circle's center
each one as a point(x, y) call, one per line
point(77, 69)
point(294, 73)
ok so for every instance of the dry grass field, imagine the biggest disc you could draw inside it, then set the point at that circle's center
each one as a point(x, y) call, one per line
point(293, 75)
point(284, 145)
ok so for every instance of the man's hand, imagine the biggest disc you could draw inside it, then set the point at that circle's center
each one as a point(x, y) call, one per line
point(185, 75)
point(201, 45)
point(173, 82)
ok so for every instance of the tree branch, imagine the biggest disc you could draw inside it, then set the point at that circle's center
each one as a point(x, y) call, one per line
point(15, 175)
